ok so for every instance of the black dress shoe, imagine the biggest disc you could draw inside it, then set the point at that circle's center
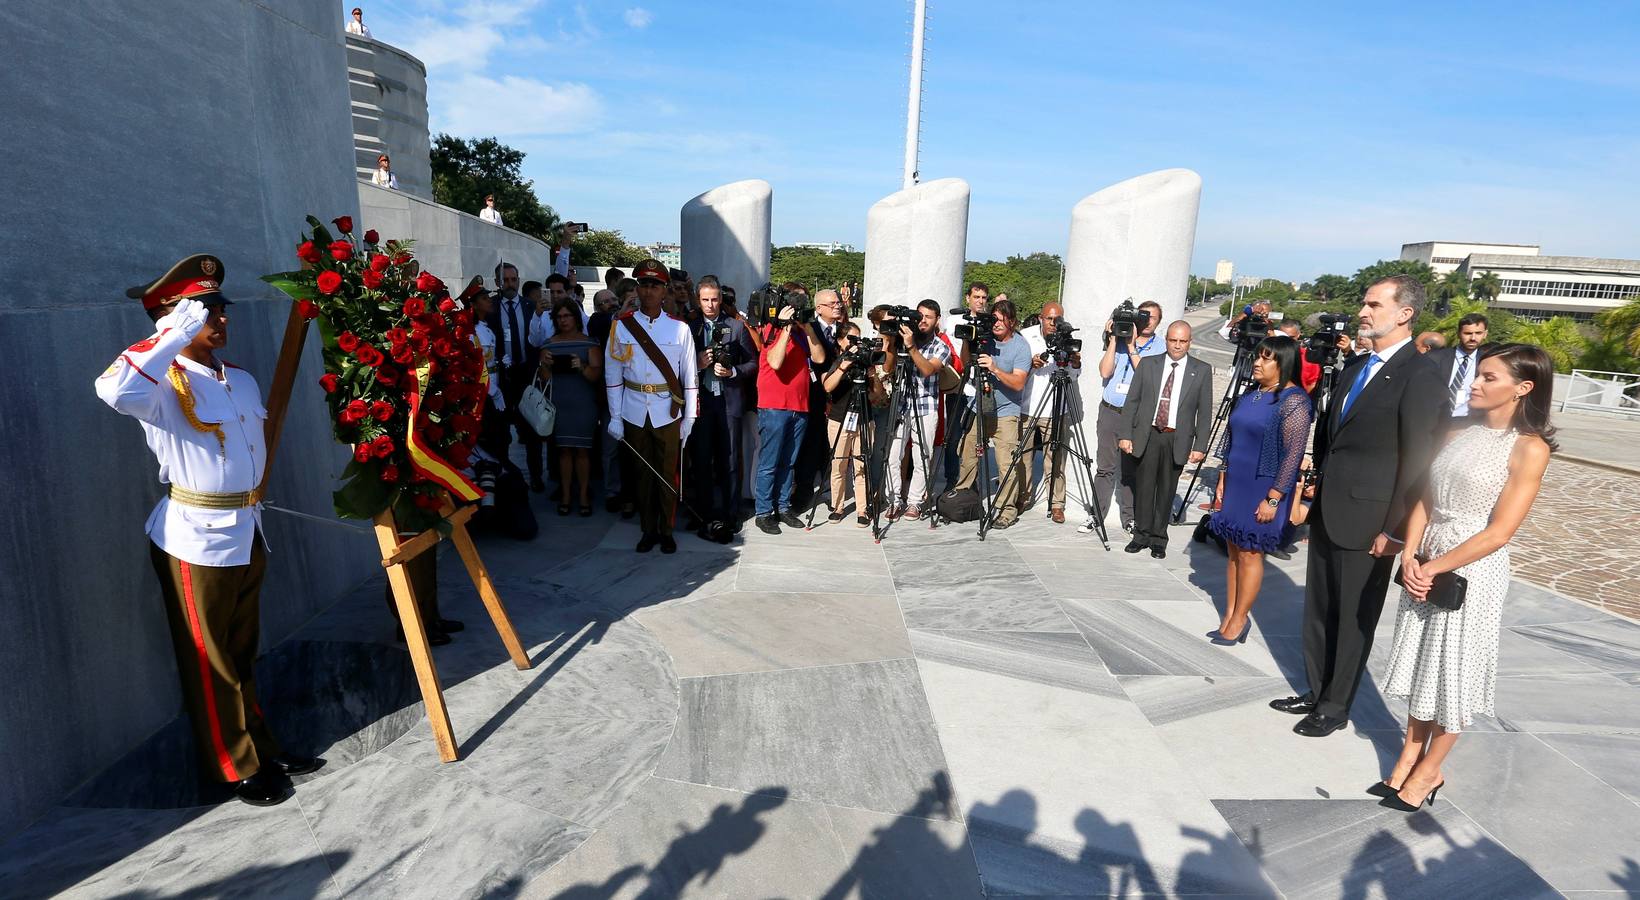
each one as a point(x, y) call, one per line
point(450, 626)
point(648, 541)
point(668, 545)
point(1158, 553)
point(768, 524)
point(290, 764)
point(790, 520)
point(1317, 725)
point(261, 789)
point(1298, 706)
point(1134, 546)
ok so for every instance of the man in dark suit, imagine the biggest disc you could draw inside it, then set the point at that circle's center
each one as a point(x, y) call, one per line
point(510, 320)
point(814, 458)
point(1373, 448)
point(1456, 364)
point(716, 447)
point(1164, 426)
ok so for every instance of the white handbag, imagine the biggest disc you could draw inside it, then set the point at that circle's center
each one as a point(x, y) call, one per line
point(535, 405)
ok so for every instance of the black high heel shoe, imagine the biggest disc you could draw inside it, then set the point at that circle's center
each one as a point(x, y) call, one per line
point(1219, 638)
point(1394, 801)
point(1380, 789)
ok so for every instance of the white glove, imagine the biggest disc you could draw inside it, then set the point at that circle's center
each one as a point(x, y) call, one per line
point(683, 431)
point(617, 427)
point(187, 317)
point(500, 403)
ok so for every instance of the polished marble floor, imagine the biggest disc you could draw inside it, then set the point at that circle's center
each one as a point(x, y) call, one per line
point(816, 715)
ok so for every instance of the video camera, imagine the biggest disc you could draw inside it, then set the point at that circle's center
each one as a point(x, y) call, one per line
point(1126, 321)
point(862, 355)
point(896, 317)
point(1250, 329)
point(718, 347)
point(975, 329)
point(1062, 343)
point(766, 303)
point(1322, 347)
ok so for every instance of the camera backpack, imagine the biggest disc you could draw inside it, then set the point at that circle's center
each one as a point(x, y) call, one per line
point(959, 505)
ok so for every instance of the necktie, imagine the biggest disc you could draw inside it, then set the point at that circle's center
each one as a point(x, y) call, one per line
point(1360, 382)
point(1167, 397)
point(514, 338)
point(1457, 380)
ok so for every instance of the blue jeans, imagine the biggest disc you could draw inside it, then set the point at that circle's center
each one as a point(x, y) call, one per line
point(780, 437)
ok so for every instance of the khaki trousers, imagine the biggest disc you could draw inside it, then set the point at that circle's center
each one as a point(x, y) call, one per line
point(845, 446)
point(1004, 435)
point(215, 618)
point(1037, 433)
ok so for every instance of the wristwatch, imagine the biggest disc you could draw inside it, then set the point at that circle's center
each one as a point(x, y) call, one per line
point(1273, 501)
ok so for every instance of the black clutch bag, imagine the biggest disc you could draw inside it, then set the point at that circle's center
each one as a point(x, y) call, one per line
point(1447, 592)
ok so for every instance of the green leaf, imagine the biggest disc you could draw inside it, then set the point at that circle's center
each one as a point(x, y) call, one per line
point(364, 495)
point(295, 285)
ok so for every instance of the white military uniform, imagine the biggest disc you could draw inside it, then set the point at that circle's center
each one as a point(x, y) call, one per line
point(485, 339)
point(626, 364)
point(138, 385)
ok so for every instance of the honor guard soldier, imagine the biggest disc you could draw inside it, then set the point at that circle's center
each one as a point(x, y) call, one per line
point(649, 374)
point(203, 420)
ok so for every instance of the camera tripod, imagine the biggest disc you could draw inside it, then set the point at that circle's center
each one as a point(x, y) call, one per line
point(1241, 375)
point(983, 386)
point(1056, 403)
point(858, 411)
point(904, 389)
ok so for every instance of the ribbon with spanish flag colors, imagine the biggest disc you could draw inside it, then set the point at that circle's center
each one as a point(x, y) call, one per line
point(422, 457)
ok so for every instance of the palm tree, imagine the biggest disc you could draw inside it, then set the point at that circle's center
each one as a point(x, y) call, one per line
point(1622, 324)
point(1559, 336)
point(1454, 286)
point(1485, 287)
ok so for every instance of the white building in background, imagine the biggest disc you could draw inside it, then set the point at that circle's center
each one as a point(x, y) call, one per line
point(1447, 256)
point(669, 255)
point(1224, 272)
point(826, 247)
point(1541, 287)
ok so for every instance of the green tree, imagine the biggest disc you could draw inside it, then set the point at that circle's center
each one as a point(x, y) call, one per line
point(1622, 324)
point(1501, 323)
point(604, 248)
point(464, 171)
point(1560, 337)
point(1384, 268)
point(1031, 282)
point(816, 270)
point(1453, 287)
point(1335, 289)
point(1485, 287)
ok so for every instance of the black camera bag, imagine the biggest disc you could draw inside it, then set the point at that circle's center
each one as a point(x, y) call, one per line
point(959, 505)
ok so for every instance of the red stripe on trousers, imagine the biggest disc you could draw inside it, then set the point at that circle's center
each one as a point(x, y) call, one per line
point(222, 757)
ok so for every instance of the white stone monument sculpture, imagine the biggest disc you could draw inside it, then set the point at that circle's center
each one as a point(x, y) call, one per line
point(725, 232)
point(915, 243)
point(1130, 240)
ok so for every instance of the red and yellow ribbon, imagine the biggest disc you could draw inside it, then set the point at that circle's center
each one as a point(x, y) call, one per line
point(422, 457)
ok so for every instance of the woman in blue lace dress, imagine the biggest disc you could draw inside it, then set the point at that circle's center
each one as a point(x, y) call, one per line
point(1262, 451)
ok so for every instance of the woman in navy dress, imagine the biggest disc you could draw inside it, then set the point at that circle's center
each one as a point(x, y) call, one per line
point(575, 396)
point(1262, 451)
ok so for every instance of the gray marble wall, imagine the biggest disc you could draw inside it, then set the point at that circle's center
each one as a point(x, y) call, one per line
point(388, 88)
point(453, 244)
point(138, 133)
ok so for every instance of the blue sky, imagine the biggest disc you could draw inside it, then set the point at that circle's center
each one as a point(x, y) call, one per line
point(1326, 135)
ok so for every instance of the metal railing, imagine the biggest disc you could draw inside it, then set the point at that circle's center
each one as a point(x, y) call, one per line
point(1607, 392)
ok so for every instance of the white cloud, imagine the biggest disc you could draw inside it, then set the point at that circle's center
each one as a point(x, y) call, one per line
point(475, 104)
point(638, 17)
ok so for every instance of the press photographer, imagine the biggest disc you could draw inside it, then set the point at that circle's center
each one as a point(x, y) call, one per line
point(1053, 347)
point(854, 387)
point(728, 363)
point(1005, 361)
point(921, 355)
point(1130, 335)
point(1249, 326)
point(782, 417)
point(977, 300)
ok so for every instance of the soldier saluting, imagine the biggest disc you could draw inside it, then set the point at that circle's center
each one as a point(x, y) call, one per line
point(203, 420)
point(650, 378)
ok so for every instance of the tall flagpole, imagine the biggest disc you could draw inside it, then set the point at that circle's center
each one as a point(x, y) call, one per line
point(913, 112)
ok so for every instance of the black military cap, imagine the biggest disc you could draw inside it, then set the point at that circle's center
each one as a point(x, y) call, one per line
point(198, 277)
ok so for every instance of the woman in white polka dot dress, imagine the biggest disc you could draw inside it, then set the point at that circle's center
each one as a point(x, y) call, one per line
point(1481, 486)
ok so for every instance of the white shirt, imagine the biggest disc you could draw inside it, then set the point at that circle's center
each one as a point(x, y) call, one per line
point(385, 178)
point(490, 214)
point(137, 384)
point(1036, 384)
point(354, 26)
point(509, 309)
point(625, 360)
point(1383, 357)
point(1460, 406)
point(485, 339)
point(542, 327)
point(1172, 371)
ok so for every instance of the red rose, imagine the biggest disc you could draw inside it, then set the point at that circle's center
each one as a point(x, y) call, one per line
point(434, 403)
point(344, 224)
point(414, 307)
point(371, 279)
point(379, 263)
point(330, 382)
point(329, 282)
point(361, 453)
point(369, 355)
point(348, 341)
point(381, 410)
point(341, 250)
point(427, 283)
point(387, 375)
point(397, 335)
point(432, 433)
point(401, 259)
point(307, 309)
point(390, 473)
point(465, 317)
point(371, 237)
point(464, 423)
point(403, 354)
point(419, 341)
point(446, 306)
point(459, 456)
point(355, 411)
point(382, 447)
point(443, 349)
point(306, 252)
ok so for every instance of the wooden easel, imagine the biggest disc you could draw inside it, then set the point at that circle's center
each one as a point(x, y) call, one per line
point(396, 552)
